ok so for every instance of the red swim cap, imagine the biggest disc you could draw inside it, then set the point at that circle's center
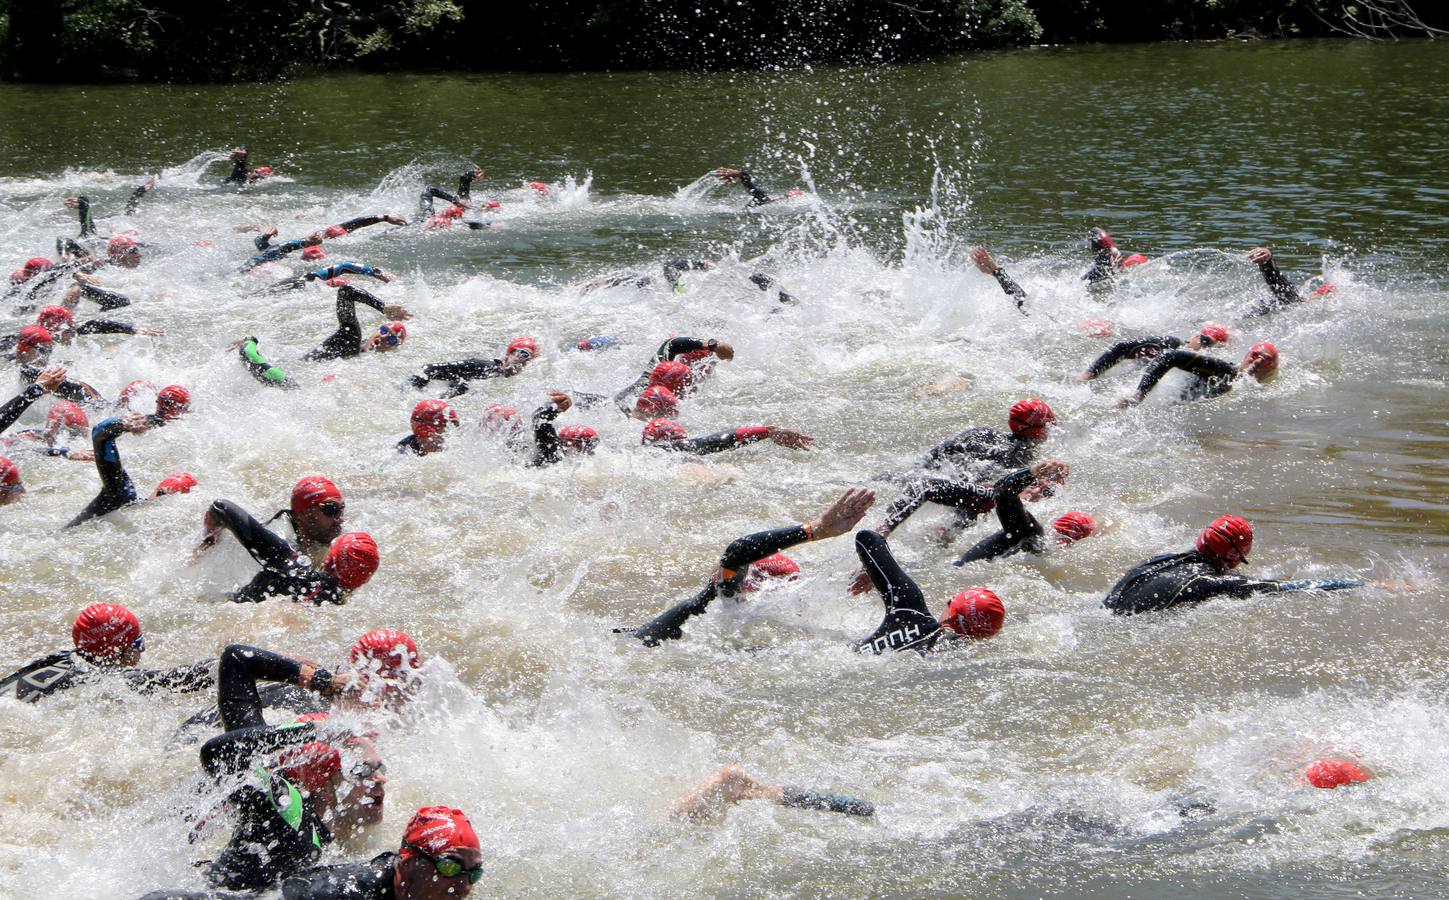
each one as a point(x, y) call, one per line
point(129, 392)
point(393, 333)
point(262, 170)
point(1074, 526)
point(975, 613)
point(175, 483)
point(1213, 333)
point(1029, 418)
point(1135, 259)
point(658, 401)
point(523, 343)
point(314, 490)
point(67, 415)
point(1333, 773)
point(792, 193)
point(353, 559)
point(55, 318)
point(314, 252)
point(311, 767)
point(31, 337)
point(578, 437)
point(538, 186)
point(498, 417)
point(37, 264)
point(775, 566)
point(334, 231)
point(493, 204)
point(105, 630)
point(1323, 290)
point(1097, 328)
point(173, 401)
point(435, 830)
point(439, 222)
point(453, 212)
point(1261, 360)
point(337, 282)
point(1226, 542)
point(1100, 239)
point(671, 374)
point(432, 416)
point(120, 246)
point(9, 472)
point(386, 652)
point(657, 430)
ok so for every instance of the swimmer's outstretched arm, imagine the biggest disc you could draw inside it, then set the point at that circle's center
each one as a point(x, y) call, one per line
point(732, 784)
point(1128, 349)
point(1283, 290)
point(1196, 363)
point(987, 264)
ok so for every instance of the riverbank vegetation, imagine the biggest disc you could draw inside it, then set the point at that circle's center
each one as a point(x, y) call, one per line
point(229, 40)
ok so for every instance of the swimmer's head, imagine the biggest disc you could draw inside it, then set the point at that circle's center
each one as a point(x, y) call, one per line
point(314, 252)
point(175, 483)
point(578, 438)
point(317, 509)
point(430, 422)
point(1227, 542)
point(439, 856)
point(33, 345)
point(58, 321)
point(1029, 419)
point(661, 430)
point(974, 613)
point(500, 418)
point(133, 392)
point(1325, 289)
point(1097, 328)
point(353, 559)
point(11, 488)
point(314, 767)
point(334, 231)
point(657, 402)
point(389, 336)
point(520, 351)
point(33, 266)
point(777, 567)
point(108, 634)
point(385, 652)
point(1135, 259)
point(1074, 526)
point(68, 417)
point(1211, 334)
point(173, 401)
point(671, 374)
point(1261, 361)
point(124, 252)
point(1328, 774)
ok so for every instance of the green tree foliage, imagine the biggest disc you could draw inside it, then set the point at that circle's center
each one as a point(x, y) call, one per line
point(230, 40)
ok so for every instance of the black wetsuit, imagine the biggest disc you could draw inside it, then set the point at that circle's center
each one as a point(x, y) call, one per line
point(717, 442)
point(269, 253)
point(26, 295)
point(352, 225)
point(908, 623)
point(326, 273)
point(371, 880)
point(278, 830)
point(669, 350)
point(546, 447)
point(133, 203)
point(83, 212)
point(410, 445)
point(1012, 289)
point(239, 172)
point(734, 567)
point(116, 487)
point(1140, 348)
point(465, 184)
point(1285, 293)
point(346, 341)
point(1100, 275)
point(1212, 377)
point(106, 300)
point(1177, 578)
point(260, 368)
point(425, 204)
point(458, 374)
point(293, 700)
point(90, 326)
point(758, 197)
point(969, 500)
point(68, 668)
point(966, 452)
point(74, 391)
point(285, 572)
point(1019, 529)
point(17, 405)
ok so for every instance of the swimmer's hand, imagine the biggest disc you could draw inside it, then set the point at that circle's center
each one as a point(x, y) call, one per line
point(984, 260)
point(726, 173)
point(842, 515)
point(860, 582)
point(396, 311)
point(50, 378)
point(1131, 399)
point(1260, 255)
point(560, 400)
point(786, 437)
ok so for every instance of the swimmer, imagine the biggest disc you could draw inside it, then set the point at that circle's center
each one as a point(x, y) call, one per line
point(973, 614)
point(352, 559)
point(732, 784)
point(734, 566)
point(758, 196)
point(1212, 377)
point(268, 253)
point(667, 434)
point(46, 381)
point(347, 340)
point(967, 452)
point(1176, 579)
point(987, 264)
point(1020, 531)
point(519, 352)
point(82, 206)
point(117, 491)
point(698, 355)
point(63, 419)
point(439, 858)
point(1284, 292)
point(33, 346)
point(551, 444)
point(430, 421)
point(1210, 335)
point(360, 222)
point(108, 643)
point(333, 275)
point(61, 324)
point(316, 514)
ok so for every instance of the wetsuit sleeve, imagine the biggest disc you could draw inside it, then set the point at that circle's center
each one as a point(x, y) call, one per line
point(83, 212)
point(1188, 361)
point(410, 444)
point(361, 222)
point(238, 670)
point(180, 680)
point(758, 197)
point(1012, 289)
point(346, 267)
point(265, 546)
point(134, 202)
point(545, 436)
point(262, 241)
point(963, 495)
point(465, 184)
point(261, 369)
point(107, 300)
point(105, 326)
point(108, 459)
point(1019, 528)
point(458, 374)
point(1101, 270)
point(715, 443)
point(1129, 350)
point(17, 405)
point(347, 339)
point(675, 347)
point(908, 623)
point(1283, 289)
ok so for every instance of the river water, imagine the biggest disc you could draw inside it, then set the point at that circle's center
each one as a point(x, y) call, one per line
point(1049, 761)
